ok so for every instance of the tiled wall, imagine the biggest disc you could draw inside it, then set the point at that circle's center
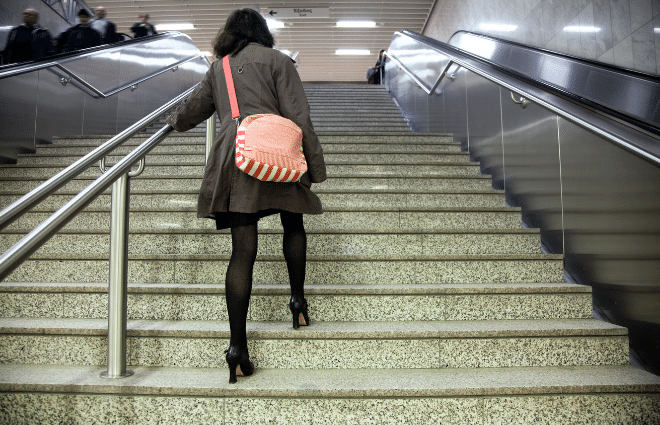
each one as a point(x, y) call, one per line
point(628, 31)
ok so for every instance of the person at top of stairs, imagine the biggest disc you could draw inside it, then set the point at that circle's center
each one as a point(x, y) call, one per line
point(266, 81)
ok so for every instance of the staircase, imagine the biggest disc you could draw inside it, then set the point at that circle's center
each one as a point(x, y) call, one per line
point(430, 303)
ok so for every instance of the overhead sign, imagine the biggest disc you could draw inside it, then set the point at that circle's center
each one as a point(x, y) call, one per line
point(300, 12)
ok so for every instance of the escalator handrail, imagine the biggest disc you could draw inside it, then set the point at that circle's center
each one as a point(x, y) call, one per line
point(545, 85)
point(131, 85)
point(608, 66)
point(507, 81)
point(38, 194)
point(18, 69)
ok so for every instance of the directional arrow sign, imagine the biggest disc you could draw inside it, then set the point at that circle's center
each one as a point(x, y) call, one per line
point(300, 12)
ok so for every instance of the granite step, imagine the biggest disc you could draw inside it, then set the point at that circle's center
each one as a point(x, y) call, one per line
point(606, 395)
point(321, 269)
point(198, 147)
point(389, 113)
point(197, 169)
point(322, 127)
point(328, 303)
point(326, 242)
point(448, 182)
point(331, 198)
point(326, 345)
point(421, 157)
point(176, 139)
point(361, 129)
point(360, 98)
point(345, 218)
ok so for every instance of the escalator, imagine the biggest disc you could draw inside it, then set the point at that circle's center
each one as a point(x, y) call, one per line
point(574, 143)
point(97, 91)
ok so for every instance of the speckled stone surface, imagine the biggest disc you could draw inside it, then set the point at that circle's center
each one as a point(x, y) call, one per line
point(336, 243)
point(455, 168)
point(375, 146)
point(371, 198)
point(26, 409)
point(80, 150)
point(349, 304)
point(353, 411)
point(383, 353)
point(573, 409)
point(367, 182)
point(31, 305)
point(325, 383)
point(179, 352)
point(56, 409)
point(197, 169)
point(63, 350)
point(320, 270)
point(342, 345)
point(82, 306)
point(507, 352)
point(564, 395)
point(427, 307)
point(333, 219)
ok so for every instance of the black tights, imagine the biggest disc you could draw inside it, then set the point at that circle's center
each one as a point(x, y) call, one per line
point(238, 283)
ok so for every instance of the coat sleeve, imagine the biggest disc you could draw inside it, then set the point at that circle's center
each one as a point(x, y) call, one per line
point(294, 106)
point(196, 108)
point(111, 33)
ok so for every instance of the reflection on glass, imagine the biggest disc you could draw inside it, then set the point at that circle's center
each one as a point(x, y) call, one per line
point(581, 29)
point(498, 27)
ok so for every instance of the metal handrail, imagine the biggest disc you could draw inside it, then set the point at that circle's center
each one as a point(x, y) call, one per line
point(417, 81)
point(18, 69)
point(117, 176)
point(58, 64)
point(529, 97)
point(19, 207)
point(18, 253)
point(131, 85)
point(408, 72)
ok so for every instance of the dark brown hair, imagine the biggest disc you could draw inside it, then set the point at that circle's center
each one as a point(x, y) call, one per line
point(243, 26)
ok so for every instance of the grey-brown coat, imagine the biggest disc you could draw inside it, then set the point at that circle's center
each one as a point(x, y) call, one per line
point(266, 81)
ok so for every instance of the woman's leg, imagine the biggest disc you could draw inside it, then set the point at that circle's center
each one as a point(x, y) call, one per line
point(238, 283)
point(294, 246)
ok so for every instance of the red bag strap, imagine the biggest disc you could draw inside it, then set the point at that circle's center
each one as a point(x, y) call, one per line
point(235, 113)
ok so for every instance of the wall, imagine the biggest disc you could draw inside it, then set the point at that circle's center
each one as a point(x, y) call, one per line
point(628, 36)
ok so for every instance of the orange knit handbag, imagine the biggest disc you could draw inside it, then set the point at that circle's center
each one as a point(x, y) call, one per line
point(268, 147)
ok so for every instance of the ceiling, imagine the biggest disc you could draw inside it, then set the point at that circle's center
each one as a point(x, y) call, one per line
point(316, 39)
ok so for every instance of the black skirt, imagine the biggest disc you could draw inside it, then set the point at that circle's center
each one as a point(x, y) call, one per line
point(229, 220)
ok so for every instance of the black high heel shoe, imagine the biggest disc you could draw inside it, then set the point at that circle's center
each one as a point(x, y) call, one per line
point(298, 307)
point(239, 363)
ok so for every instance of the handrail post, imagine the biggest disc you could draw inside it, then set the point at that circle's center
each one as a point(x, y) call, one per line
point(117, 297)
point(210, 134)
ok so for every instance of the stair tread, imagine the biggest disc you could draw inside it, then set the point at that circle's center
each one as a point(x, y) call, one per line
point(310, 231)
point(404, 209)
point(332, 176)
point(313, 258)
point(319, 190)
point(202, 163)
point(276, 289)
point(200, 154)
point(323, 383)
point(322, 330)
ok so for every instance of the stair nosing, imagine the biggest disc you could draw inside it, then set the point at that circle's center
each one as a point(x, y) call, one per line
point(310, 290)
point(447, 329)
point(333, 383)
